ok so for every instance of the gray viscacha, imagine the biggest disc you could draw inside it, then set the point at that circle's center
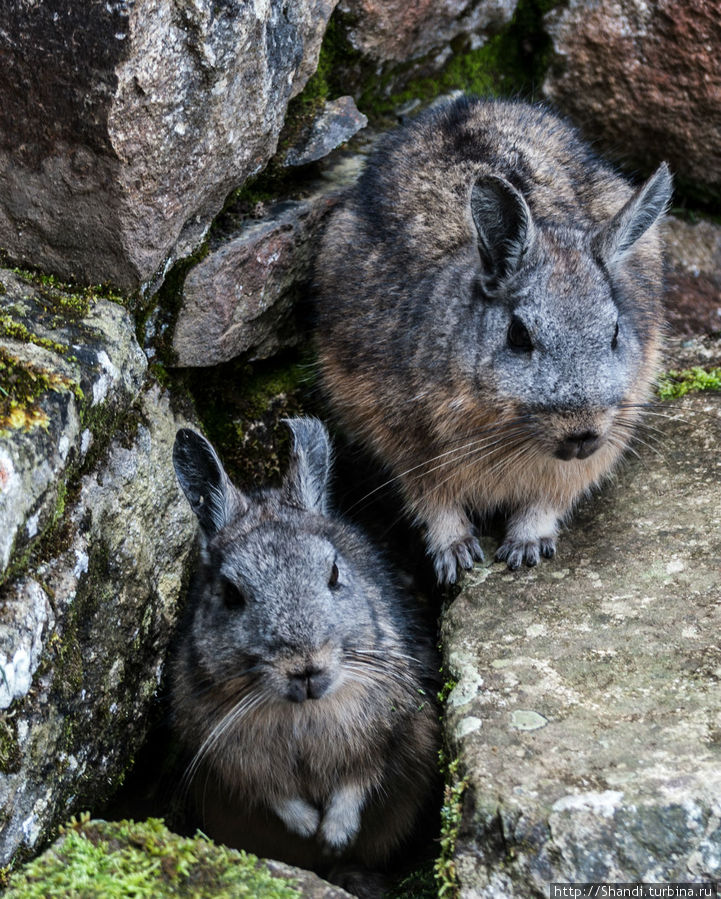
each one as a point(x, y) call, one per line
point(489, 320)
point(303, 684)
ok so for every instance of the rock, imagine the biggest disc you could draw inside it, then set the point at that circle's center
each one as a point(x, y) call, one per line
point(69, 366)
point(397, 31)
point(587, 708)
point(643, 81)
point(240, 297)
point(338, 122)
point(125, 125)
point(84, 632)
point(693, 292)
point(123, 858)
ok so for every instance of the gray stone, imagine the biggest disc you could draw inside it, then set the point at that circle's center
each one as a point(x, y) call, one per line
point(240, 297)
point(84, 633)
point(397, 31)
point(338, 121)
point(69, 366)
point(587, 710)
point(693, 276)
point(642, 80)
point(125, 125)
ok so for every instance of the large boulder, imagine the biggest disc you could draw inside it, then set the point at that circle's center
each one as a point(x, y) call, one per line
point(124, 125)
point(587, 705)
point(85, 629)
point(643, 81)
point(69, 367)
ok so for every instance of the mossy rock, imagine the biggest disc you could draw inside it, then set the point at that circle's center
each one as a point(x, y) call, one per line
point(124, 859)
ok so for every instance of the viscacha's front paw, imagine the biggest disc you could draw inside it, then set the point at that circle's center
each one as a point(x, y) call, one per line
point(516, 552)
point(461, 554)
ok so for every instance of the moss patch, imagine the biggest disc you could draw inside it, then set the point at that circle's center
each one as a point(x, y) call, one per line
point(22, 385)
point(675, 384)
point(69, 297)
point(510, 63)
point(127, 859)
point(9, 749)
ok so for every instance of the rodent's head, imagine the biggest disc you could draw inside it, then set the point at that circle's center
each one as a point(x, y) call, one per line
point(560, 315)
point(286, 598)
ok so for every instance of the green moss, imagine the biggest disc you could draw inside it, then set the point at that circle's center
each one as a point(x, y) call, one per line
point(675, 384)
point(22, 385)
point(446, 689)
point(76, 295)
point(128, 860)
point(510, 63)
point(15, 330)
point(451, 814)
point(9, 749)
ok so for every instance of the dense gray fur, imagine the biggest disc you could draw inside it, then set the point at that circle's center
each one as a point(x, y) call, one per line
point(489, 320)
point(302, 683)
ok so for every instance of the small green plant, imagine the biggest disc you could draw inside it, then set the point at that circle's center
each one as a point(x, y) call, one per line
point(451, 813)
point(675, 384)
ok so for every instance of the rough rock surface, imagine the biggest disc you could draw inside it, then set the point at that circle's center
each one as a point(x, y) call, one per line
point(396, 31)
point(83, 633)
point(124, 125)
point(693, 294)
point(338, 121)
point(68, 367)
point(587, 712)
point(239, 298)
point(644, 80)
point(124, 858)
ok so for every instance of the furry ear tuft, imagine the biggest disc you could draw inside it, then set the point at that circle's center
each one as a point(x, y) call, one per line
point(306, 484)
point(204, 482)
point(504, 224)
point(631, 222)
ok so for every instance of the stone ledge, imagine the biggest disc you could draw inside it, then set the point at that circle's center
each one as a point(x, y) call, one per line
point(587, 709)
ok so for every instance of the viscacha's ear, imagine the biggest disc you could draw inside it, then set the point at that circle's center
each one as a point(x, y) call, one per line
point(306, 484)
point(504, 224)
point(614, 239)
point(204, 482)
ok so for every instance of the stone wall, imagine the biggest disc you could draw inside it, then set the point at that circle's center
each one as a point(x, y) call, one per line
point(185, 155)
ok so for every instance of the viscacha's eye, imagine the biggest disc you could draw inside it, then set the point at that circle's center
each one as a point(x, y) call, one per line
point(518, 337)
point(233, 597)
point(614, 342)
point(333, 579)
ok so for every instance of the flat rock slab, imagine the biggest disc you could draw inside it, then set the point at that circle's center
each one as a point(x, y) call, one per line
point(587, 710)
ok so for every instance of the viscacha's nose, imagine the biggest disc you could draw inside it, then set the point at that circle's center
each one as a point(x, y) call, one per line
point(578, 445)
point(309, 683)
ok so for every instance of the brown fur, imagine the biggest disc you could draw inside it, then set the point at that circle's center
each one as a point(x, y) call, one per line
point(408, 351)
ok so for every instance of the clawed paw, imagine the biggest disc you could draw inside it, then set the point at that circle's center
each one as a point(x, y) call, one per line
point(517, 552)
point(462, 554)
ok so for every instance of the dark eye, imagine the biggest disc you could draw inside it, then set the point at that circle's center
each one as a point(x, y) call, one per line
point(614, 342)
point(233, 597)
point(518, 336)
point(333, 579)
